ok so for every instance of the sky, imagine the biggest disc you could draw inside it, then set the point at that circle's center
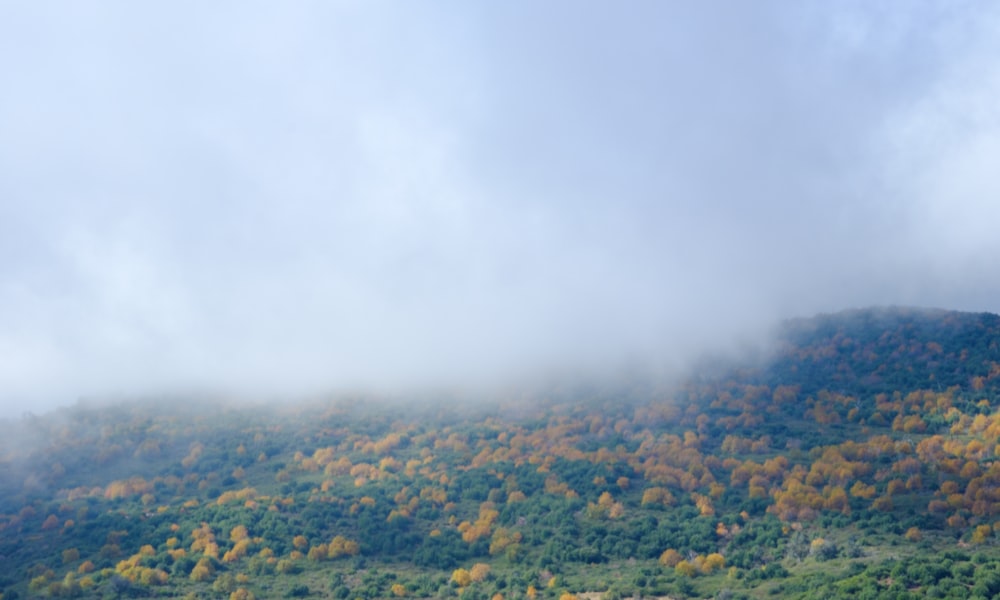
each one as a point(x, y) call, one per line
point(287, 198)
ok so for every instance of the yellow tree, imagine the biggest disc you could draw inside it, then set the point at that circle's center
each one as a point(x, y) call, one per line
point(318, 552)
point(713, 562)
point(202, 571)
point(685, 569)
point(670, 558)
point(981, 534)
point(479, 572)
point(238, 533)
point(242, 594)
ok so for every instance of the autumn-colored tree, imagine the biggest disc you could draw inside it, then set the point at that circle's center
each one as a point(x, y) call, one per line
point(503, 539)
point(238, 533)
point(318, 552)
point(200, 573)
point(51, 522)
point(286, 566)
point(685, 569)
point(883, 504)
point(204, 540)
point(713, 562)
point(37, 584)
point(836, 500)
point(479, 572)
point(704, 504)
point(981, 534)
point(657, 496)
point(483, 525)
point(239, 550)
point(242, 594)
point(670, 558)
point(340, 546)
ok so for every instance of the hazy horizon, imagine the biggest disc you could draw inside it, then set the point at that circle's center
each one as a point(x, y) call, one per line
point(289, 198)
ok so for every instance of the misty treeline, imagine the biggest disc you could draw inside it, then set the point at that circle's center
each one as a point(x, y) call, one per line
point(868, 442)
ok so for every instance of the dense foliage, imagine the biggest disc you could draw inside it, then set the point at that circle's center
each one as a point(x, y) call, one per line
point(858, 461)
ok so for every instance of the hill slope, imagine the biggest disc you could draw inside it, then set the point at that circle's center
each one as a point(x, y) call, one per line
point(859, 460)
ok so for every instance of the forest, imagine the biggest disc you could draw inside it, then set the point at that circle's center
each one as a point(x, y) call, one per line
point(857, 459)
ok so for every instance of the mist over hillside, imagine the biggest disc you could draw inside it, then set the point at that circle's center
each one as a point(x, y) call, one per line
point(283, 200)
point(863, 445)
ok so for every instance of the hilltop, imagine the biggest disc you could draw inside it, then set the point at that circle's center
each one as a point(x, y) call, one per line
point(858, 459)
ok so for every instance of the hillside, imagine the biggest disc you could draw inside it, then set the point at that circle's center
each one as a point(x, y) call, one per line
point(859, 460)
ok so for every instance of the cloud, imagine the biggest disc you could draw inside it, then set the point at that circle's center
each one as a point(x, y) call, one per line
point(291, 198)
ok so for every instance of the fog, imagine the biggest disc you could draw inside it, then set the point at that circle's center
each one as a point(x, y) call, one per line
point(287, 198)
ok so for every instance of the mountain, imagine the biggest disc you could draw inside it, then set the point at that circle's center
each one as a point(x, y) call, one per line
point(857, 459)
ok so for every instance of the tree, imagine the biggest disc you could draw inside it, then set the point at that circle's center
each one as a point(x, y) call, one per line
point(341, 546)
point(318, 553)
point(479, 572)
point(287, 567)
point(713, 562)
point(120, 585)
point(238, 533)
point(224, 583)
point(981, 534)
point(670, 558)
point(657, 496)
point(685, 569)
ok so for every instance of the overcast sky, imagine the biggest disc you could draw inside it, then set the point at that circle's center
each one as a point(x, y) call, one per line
point(294, 196)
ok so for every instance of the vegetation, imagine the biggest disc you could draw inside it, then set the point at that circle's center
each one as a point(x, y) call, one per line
point(859, 461)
